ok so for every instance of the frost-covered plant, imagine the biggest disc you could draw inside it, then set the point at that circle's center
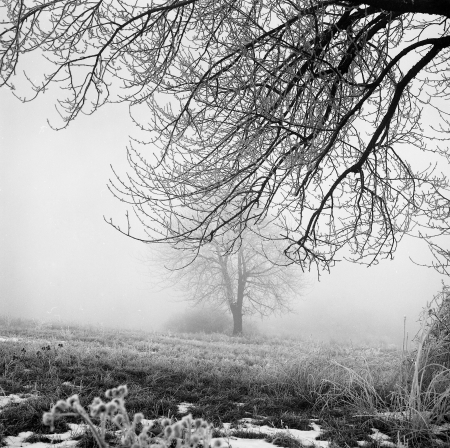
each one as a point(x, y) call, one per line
point(186, 433)
point(424, 399)
point(431, 379)
point(439, 317)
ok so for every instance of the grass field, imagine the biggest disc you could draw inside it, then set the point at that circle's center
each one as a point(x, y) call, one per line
point(277, 382)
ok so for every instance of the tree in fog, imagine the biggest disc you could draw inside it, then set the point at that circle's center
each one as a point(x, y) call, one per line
point(311, 109)
point(250, 279)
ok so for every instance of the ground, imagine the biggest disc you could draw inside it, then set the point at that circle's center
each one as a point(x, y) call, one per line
point(327, 394)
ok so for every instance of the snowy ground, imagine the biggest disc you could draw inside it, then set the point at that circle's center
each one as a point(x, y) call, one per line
point(307, 438)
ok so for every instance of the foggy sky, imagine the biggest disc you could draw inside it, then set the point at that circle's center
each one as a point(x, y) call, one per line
point(60, 260)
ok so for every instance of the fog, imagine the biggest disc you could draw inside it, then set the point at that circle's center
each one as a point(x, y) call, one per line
point(60, 261)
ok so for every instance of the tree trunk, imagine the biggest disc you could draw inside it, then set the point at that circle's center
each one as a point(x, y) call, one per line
point(236, 307)
point(236, 311)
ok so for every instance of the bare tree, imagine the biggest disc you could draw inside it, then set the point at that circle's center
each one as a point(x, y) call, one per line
point(252, 279)
point(307, 108)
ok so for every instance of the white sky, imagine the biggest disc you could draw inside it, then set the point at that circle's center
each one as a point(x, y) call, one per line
point(58, 258)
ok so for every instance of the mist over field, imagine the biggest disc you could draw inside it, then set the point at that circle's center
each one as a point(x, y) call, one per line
point(60, 261)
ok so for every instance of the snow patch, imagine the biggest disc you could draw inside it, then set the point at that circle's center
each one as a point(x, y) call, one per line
point(14, 399)
point(183, 408)
point(64, 438)
point(236, 442)
point(380, 438)
point(307, 438)
point(147, 422)
point(8, 339)
point(15, 441)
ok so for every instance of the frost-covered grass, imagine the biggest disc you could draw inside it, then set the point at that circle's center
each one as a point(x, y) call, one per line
point(280, 382)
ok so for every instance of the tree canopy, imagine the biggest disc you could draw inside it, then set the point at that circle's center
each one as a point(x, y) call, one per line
point(306, 112)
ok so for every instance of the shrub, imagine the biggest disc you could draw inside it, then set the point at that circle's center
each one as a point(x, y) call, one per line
point(207, 320)
point(197, 320)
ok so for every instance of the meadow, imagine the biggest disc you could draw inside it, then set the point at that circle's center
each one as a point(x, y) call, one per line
point(349, 390)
